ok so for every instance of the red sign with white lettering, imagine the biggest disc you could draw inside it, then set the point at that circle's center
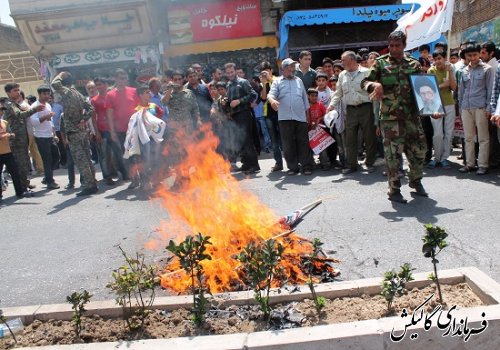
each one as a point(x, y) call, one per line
point(214, 21)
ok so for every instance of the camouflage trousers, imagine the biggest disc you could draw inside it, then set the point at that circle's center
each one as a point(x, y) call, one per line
point(19, 148)
point(403, 136)
point(79, 147)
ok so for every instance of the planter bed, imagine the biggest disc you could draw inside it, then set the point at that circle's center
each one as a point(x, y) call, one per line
point(352, 319)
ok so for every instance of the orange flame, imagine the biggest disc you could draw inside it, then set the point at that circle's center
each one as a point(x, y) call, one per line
point(211, 201)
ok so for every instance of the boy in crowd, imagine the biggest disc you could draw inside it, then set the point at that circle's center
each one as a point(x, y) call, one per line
point(444, 124)
point(43, 131)
point(324, 92)
point(317, 111)
point(474, 95)
point(424, 60)
point(142, 166)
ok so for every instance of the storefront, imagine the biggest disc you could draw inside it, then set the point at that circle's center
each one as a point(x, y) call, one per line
point(90, 39)
point(337, 29)
point(141, 63)
point(214, 33)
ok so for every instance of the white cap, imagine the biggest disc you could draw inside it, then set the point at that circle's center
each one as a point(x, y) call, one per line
point(330, 117)
point(286, 62)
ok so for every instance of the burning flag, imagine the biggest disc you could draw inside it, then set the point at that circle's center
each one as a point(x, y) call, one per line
point(210, 201)
point(289, 221)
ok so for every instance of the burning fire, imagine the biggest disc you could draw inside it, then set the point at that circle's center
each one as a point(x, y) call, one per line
point(210, 201)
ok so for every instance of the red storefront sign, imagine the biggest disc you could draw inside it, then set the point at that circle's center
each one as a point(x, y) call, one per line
point(214, 21)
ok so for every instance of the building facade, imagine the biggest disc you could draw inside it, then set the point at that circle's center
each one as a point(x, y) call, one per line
point(476, 20)
point(89, 39)
point(16, 62)
point(212, 33)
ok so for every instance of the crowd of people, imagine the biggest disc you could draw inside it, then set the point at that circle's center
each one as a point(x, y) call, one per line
point(369, 105)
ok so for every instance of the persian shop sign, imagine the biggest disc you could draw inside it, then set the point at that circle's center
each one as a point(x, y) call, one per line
point(214, 21)
point(75, 28)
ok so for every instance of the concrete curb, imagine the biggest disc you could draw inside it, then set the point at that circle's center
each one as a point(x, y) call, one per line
point(370, 334)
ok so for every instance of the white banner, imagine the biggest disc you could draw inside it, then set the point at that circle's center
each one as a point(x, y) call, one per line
point(426, 24)
point(319, 140)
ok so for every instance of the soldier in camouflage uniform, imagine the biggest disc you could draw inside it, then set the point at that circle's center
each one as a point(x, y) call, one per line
point(16, 117)
point(77, 110)
point(184, 112)
point(389, 81)
point(183, 117)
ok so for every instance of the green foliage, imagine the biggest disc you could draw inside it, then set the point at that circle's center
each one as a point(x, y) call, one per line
point(434, 243)
point(394, 284)
point(191, 253)
point(308, 263)
point(78, 301)
point(3, 320)
point(261, 263)
point(134, 285)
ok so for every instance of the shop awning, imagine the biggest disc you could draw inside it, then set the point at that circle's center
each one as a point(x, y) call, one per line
point(336, 16)
point(222, 45)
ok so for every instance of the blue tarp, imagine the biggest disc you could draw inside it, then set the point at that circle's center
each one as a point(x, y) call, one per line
point(335, 16)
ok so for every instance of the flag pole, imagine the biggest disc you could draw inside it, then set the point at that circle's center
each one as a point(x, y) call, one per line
point(448, 38)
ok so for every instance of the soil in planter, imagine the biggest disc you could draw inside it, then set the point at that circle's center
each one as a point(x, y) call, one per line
point(237, 319)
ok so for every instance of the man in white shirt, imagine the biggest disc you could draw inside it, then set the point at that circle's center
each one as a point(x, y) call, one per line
point(43, 130)
point(359, 112)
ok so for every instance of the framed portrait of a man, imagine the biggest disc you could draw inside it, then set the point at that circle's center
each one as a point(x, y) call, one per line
point(426, 91)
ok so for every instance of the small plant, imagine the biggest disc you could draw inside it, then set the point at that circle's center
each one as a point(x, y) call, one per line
point(434, 243)
point(394, 284)
point(78, 301)
point(191, 253)
point(261, 264)
point(309, 265)
point(3, 320)
point(134, 285)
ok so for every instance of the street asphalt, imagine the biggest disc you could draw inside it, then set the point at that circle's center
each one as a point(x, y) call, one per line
point(55, 243)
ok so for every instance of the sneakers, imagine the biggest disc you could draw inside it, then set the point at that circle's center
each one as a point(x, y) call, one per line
point(53, 186)
point(419, 188)
point(69, 186)
point(481, 171)
point(432, 164)
point(87, 191)
point(445, 164)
